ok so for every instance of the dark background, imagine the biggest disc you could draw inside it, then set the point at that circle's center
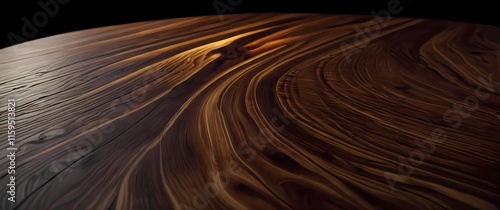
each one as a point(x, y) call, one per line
point(84, 14)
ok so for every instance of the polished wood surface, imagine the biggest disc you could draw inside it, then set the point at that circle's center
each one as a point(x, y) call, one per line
point(259, 111)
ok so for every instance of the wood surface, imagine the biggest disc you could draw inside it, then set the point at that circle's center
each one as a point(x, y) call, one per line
point(259, 111)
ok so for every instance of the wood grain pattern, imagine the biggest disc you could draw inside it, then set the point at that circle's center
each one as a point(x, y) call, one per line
point(263, 110)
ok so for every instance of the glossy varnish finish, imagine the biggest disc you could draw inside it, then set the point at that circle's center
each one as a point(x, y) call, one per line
point(259, 111)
